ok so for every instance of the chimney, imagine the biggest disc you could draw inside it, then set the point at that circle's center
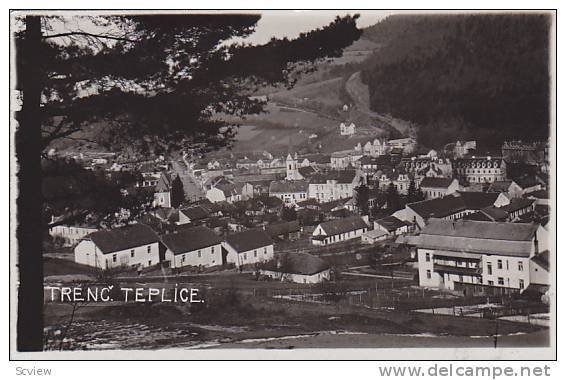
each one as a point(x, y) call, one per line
point(536, 244)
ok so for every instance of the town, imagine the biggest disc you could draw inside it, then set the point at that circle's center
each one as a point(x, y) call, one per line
point(469, 228)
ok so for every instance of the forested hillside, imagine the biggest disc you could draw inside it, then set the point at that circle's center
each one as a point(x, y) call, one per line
point(463, 76)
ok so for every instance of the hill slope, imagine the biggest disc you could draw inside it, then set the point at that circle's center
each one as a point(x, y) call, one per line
point(458, 76)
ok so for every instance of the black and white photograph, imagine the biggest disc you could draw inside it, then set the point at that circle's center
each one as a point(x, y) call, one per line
point(255, 183)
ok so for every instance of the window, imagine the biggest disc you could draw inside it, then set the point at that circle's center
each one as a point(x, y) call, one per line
point(490, 283)
point(427, 257)
point(149, 249)
point(255, 252)
point(520, 265)
point(245, 255)
point(114, 258)
point(212, 250)
point(499, 264)
point(264, 250)
point(521, 284)
point(428, 274)
point(183, 258)
point(461, 278)
point(500, 281)
point(507, 264)
point(149, 263)
point(132, 253)
point(489, 269)
point(199, 253)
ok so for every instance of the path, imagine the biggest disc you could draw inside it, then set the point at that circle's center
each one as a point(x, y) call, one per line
point(192, 190)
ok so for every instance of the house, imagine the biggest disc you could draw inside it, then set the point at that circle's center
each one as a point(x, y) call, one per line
point(193, 215)
point(71, 233)
point(162, 194)
point(347, 130)
point(519, 207)
point(451, 207)
point(248, 248)
point(476, 257)
point(406, 145)
point(135, 245)
point(374, 236)
point(509, 186)
point(333, 185)
point(437, 187)
point(301, 268)
point(287, 230)
point(290, 192)
point(345, 158)
point(231, 192)
point(392, 225)
point(462, 148)
point(339, 230)
point(480, 169)
point(539, 269)
point(541, 197)
point(396, 176)
point(195, 246)
point(428, 166)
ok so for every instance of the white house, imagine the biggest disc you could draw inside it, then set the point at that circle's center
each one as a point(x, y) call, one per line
point(347, 130)
point(71, 234)
point(290, 192)
point(345, 158)
point(135, 245)
point(300, 268)
point(196, 246)
point(391, 225)
point(437, 187)
point(325, 187)
point(230, 192)
point(373, 236)
point(339, 230)
point(481, 169)
point(476, 256)
point(248, 248)
point(193, 214)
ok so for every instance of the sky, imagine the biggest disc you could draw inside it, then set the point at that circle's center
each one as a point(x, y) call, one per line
point(291, 23)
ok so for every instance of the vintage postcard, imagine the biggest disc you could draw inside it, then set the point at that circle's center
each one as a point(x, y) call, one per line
point(283, 184)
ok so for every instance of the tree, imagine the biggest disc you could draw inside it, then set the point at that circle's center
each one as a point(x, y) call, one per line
point(393, 199)
point(288, 213)
point(177, 192)
point(412, 192)
point(362, 199)
point(152, 82)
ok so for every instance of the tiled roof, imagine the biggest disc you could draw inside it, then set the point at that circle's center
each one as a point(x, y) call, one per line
point(190, 239)
point(288, 187)
point(297, 263)
point(542, 259)
point(518, 204)
point(277, 229)
point(341, 176)
point(509, 239)
point(436, 182)
point(391, 223)
point(339, 226)
point(475, 200)
point(195, 213)
point(248, 240)
point(119, 239)
point(438, 207)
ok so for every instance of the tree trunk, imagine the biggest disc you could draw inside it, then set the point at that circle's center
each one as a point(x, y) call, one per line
point(29, 230)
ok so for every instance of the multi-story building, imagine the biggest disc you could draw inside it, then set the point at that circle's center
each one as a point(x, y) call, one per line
point(437, 187)
point(463, 147)
point(476, 257)
point(481, 169)
point(345, 158)
point(428, 166)
point(290, 192)
point(325, 187)
point(347, 130)
point(398, 177)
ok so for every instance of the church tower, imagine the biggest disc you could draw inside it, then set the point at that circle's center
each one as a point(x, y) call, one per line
point(292, 168)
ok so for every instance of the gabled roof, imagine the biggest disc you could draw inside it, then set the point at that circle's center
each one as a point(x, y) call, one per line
point(288, 187)
point(391, 223)
point(190, 239)
point(538, 194)
point(500, 186)
point(475, 200)
point(339, 226)
point(123, 238)
point(297, 263)
point(248, 240)
point(497, 214)
point(340, 176)
point(542, 259)
point(195, 213)
point(436, 182)
point(438, 207)
point(277, 229)
point(164, 183)
point(518, 204)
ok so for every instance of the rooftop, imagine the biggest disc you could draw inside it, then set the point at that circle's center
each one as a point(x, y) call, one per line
point(190, 239)
point(339, 226)
point(297, 263)
point(248, 240)
point(288, 187)
point(436, 182)
point(123, 238)
point(391, 223)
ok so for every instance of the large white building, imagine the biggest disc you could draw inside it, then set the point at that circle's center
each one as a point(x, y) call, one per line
point(136, 245)
point(347, 130)
point(475, 256)
point(325, 187)
point(481, 169)
point(290, 192)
